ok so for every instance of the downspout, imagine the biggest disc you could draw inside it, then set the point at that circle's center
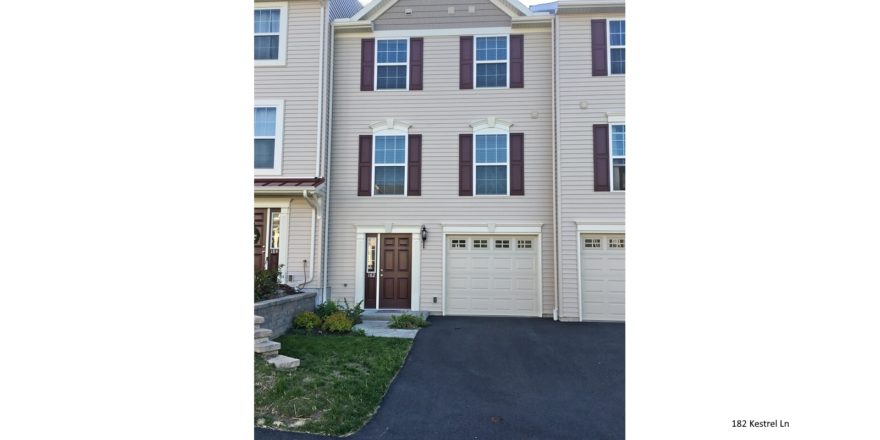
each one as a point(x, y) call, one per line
point(555, 67)
point(312, 202)
point(319, 123)
point(328, 140)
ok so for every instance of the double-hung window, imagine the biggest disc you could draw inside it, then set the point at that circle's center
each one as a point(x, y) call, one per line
point(491, 164)
point(491, 61)
point(617, 46)
point(392, 64)
point(268, 137)
point(389, 165)
point(618, 157)
point(270, 22)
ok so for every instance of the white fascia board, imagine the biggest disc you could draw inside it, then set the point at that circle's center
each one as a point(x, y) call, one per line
point(529, 228)
point(390, 228)
point(601, 228)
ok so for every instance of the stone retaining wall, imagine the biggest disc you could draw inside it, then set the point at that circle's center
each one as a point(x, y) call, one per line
point(279, 312)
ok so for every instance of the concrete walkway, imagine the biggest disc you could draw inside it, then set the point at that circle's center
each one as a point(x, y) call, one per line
point(503, 378)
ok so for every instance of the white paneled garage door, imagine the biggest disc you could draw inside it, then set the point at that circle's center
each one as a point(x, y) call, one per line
point(492, 275)
point(602, 276)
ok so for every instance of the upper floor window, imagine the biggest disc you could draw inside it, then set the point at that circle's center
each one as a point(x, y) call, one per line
point(618, 157)
point(491, 61)
point(270, 24)
point(617, 46)
point(491, 164)
point(267, 137)
point(389, 165)
point(392, 64)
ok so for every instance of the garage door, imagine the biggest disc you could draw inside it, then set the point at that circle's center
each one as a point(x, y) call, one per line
point(492, 275)
point(602, 277)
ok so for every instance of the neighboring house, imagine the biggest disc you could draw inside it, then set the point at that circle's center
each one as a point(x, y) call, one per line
point(591, 142)
point(442, 128)
point(291, 88)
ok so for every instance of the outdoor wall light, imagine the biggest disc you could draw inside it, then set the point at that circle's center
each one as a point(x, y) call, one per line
point(424, 235)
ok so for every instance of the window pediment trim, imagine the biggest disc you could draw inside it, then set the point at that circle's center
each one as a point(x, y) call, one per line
point(390, 124)
point(491, 123)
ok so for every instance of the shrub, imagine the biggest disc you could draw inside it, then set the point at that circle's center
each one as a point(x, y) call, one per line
point(266, 283)
point(308, 321)
point(337, 323)
point(408, 321)
point(326, 309)
point(353, 313)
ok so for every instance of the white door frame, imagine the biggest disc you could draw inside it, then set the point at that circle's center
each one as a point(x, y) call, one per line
point(590, 228)
point(360, 265)
point(492, 229)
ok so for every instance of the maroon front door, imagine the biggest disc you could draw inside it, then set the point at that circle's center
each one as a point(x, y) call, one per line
point(259, 239)
point(395, 271)
point(267, 238)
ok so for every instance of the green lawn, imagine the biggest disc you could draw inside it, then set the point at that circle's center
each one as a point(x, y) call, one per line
point(337, 386)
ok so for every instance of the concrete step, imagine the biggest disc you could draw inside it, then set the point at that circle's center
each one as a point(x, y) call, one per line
point(385, 315)
point(258, 320)
point(262, 333)
point(260, 340)
point(284, 362)
point(267, 346)
point(380, 329)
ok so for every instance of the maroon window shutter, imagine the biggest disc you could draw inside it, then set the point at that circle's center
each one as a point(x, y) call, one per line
point(600, 48)
point(465, 165)
point(416, 51)
point(414, 162)
point(517, 165)
point(365, 165)
point(517, 64)
point(368, 46)
point(466, 63)
point(600, 158)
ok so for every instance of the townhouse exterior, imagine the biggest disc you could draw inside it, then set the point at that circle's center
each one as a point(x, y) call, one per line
point(470, 168)
point(291, 44)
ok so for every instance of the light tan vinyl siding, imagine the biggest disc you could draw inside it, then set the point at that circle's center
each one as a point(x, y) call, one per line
point(297, 84)
point(431, 14)
point(578, 201)
point(439, 113)
point(300, 244)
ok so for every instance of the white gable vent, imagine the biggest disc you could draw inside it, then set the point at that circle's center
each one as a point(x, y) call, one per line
point(407, 11)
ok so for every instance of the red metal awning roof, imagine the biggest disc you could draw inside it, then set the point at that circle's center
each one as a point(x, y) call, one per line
point(288, 182)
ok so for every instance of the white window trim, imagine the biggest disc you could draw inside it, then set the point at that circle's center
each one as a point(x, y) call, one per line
point(279, 136)
point(507, 61)
point(490, 131)
point(391, 132)
point(282, 34)
point(611, 155)
point(608, 45)
point(376, 65)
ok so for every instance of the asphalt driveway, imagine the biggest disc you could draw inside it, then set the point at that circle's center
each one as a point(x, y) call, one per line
point(503, 378)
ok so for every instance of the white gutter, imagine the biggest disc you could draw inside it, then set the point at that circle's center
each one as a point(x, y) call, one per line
point(328, 151)
point(555, 67)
